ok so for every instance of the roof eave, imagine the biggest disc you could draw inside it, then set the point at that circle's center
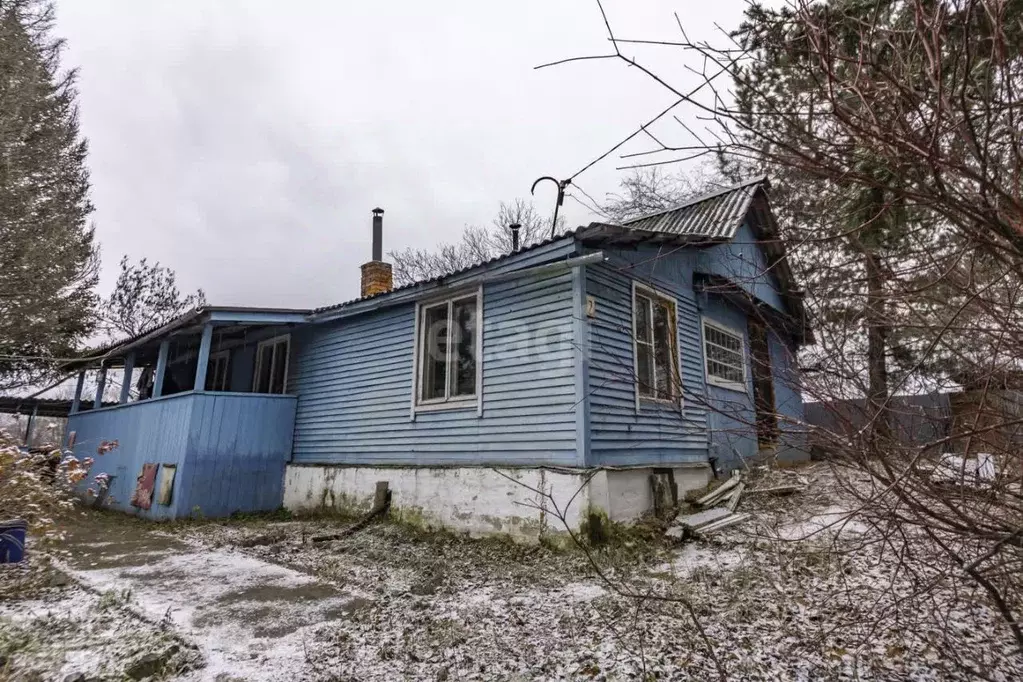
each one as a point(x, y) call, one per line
point(216, 314)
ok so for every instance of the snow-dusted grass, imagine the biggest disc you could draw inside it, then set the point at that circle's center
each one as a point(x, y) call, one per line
point(807, 589)
point(75, 631)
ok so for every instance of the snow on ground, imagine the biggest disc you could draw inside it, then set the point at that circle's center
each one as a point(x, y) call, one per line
point(249, 617)
point(803, 591)
point(73, 631)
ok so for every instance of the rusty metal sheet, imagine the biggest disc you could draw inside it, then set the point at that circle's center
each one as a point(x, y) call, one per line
point(143, 496)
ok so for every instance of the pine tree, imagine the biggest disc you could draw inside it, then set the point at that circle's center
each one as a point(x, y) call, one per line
point(48, 255)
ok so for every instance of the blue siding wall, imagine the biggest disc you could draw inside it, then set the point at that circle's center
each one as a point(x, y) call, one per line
point(151, 431)
point(788, 400)
point(743, 261)
point(354, 380)
point(714, 421)
point(657, 434)
point(731, 415)
point(230, 450)
point(238, 448)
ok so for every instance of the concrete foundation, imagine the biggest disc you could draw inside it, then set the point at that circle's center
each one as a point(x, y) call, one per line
point(523, 503)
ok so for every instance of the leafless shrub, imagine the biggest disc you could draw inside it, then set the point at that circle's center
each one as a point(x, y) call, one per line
point(892, 133)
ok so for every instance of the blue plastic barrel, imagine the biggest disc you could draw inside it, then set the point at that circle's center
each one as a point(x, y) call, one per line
point(12, 541)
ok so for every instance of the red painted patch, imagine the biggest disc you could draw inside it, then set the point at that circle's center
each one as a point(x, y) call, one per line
point(143, 496)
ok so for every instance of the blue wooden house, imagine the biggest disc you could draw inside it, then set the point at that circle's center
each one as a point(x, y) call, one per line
point(567, 372)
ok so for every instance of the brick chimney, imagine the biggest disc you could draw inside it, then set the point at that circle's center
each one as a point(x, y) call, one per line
point(376, 274)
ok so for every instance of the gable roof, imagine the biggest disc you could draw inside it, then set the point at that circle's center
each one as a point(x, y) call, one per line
point(717, 215)
point(711, 219)
point(704, 220)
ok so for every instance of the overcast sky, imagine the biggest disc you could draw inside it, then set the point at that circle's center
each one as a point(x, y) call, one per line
point(243, 143)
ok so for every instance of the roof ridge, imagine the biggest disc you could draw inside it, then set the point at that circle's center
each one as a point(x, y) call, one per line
point(699, 199)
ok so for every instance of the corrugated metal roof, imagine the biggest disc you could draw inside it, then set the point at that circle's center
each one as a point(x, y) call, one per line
point(180, 321)
point(718, 215)
point(446, 275)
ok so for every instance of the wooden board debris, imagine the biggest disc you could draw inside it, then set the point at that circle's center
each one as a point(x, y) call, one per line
point(726, 522)
point(718, 493)
point(733, 500)
point(703, 518)
point(777, 491)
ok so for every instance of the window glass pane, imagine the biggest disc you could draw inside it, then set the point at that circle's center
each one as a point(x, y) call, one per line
point(643, 319)
point(434, 352)
point(264, 358)
point(216, 373)
point(211, 374)
point(463, 356)
point(645, 369)
point(664, 350)
point(280, 367)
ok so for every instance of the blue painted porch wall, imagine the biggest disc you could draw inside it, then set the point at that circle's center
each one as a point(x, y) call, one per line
point(354, 381)
point(238, 448)
point(657, 434)
point(150, 431)
point(230, 450)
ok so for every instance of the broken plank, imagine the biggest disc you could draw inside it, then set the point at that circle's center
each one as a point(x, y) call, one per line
point(727, 522)
point(777, 491)
point(733, 501)
point(703, 518)
point(719, 492)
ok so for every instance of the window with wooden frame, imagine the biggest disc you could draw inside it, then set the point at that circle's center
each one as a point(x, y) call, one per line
point(271, 371)
point(448, 367)
point(655, 339)
point(217, 371)
point(724, 356)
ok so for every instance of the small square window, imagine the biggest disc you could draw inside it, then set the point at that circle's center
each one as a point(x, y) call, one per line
point(724, 356)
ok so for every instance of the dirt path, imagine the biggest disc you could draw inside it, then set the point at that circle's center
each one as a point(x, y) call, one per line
point(249, 617)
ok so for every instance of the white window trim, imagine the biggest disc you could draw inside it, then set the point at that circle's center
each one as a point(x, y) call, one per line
point(226, 354)
point(649, 291)
point(287, 360)
point(459, 402)
point(718, 381)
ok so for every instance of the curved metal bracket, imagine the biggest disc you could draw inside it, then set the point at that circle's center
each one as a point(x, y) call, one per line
point(562, 185)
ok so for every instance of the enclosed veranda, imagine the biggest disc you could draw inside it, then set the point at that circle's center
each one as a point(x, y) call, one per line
point(203, 424)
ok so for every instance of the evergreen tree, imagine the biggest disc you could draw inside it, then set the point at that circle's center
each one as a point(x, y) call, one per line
point(48, 256)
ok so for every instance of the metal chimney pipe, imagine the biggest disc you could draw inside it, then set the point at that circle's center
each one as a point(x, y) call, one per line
point(514, 227)
point(378, 234)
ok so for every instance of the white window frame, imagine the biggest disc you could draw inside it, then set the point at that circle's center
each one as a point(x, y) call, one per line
point(731, 331)
point(650, 292)
point(224, 355)
point(448, 403)
point(287, 359)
